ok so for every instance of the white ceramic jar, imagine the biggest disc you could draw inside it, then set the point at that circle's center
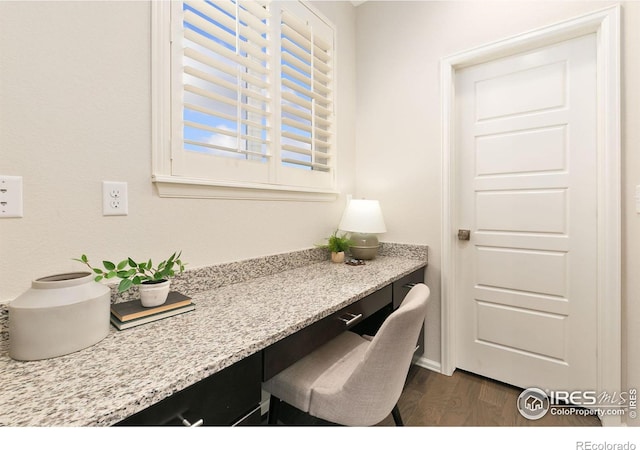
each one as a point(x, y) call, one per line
point(60, 314)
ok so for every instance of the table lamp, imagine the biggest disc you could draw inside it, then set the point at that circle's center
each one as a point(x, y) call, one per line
point(363, 219)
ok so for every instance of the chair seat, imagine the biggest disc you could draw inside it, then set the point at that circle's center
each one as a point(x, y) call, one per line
point(329, 365)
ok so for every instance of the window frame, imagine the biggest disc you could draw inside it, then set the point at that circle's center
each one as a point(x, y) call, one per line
point(163, 127)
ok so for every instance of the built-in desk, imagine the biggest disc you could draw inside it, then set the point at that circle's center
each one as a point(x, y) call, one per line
point(233, 327)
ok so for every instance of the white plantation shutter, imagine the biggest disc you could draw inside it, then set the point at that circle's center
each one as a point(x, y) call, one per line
point(251, 96)
point(225, 87)
point(306, 89)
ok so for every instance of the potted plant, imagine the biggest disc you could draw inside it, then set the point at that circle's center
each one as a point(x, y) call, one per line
point(152, 281)
point(338, 245)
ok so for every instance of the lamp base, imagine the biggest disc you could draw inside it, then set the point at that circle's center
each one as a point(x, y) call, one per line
point(365, 246)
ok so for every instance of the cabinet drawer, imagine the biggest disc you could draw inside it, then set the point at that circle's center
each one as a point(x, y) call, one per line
point(400, 289)
point(402, 286)
point(224, 398)
point(285, 352)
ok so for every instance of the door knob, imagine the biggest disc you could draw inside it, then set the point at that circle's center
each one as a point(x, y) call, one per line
point(464, 235)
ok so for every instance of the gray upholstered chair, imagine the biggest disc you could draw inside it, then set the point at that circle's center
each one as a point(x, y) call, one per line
point(352, 380)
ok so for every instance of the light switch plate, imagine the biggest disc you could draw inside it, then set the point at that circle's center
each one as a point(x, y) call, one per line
point(10, 196)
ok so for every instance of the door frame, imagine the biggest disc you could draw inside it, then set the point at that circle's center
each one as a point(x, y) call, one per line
point(606, 24)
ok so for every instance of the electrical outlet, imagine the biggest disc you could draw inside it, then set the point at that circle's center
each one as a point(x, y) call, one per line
point(10, 196)
point(115, 201)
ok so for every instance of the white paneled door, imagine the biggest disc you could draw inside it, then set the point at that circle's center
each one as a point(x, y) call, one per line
point(526, 135)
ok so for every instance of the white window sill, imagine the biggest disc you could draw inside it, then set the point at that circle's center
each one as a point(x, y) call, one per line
point(181, 187)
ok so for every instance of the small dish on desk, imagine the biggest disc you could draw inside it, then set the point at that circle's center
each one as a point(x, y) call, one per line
point(354, 262)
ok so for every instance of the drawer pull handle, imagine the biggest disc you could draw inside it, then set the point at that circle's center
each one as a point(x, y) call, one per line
point(409, 285)
point(186, 423)
point(352, 318)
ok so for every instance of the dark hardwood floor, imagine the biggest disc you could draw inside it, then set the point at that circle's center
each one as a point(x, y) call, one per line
point(466, 399)
point(463, 399)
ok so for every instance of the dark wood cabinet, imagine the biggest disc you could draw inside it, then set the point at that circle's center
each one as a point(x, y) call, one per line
point(228, 397)
point(363, 317)
point(401, 288)
point(285, 352)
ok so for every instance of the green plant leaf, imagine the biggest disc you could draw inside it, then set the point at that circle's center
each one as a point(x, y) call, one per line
point(124, 285)
point(137, 273)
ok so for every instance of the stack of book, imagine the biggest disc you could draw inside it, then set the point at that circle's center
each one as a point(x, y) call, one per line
point(130, 314)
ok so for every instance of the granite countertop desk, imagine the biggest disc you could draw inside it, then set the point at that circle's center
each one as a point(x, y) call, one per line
point(132, 369)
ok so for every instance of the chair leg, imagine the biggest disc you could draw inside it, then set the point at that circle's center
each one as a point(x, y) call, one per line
point(397, 418)
point(274, 408)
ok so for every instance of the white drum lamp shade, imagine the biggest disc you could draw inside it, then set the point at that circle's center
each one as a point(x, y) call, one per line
point(363, 219)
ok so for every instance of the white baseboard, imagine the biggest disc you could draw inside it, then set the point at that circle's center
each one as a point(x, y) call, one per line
point(428, 364)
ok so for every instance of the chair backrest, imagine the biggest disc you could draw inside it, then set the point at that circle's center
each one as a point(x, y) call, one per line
point(375, 386)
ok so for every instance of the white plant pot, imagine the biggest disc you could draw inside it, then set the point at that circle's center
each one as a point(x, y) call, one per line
point(154, 294)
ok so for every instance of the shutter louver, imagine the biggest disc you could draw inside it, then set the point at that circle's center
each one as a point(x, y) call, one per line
point(306, 91)
point(226, 79)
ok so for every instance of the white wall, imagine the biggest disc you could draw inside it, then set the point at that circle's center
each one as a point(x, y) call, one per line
point(399, 46)
point(75, 110)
